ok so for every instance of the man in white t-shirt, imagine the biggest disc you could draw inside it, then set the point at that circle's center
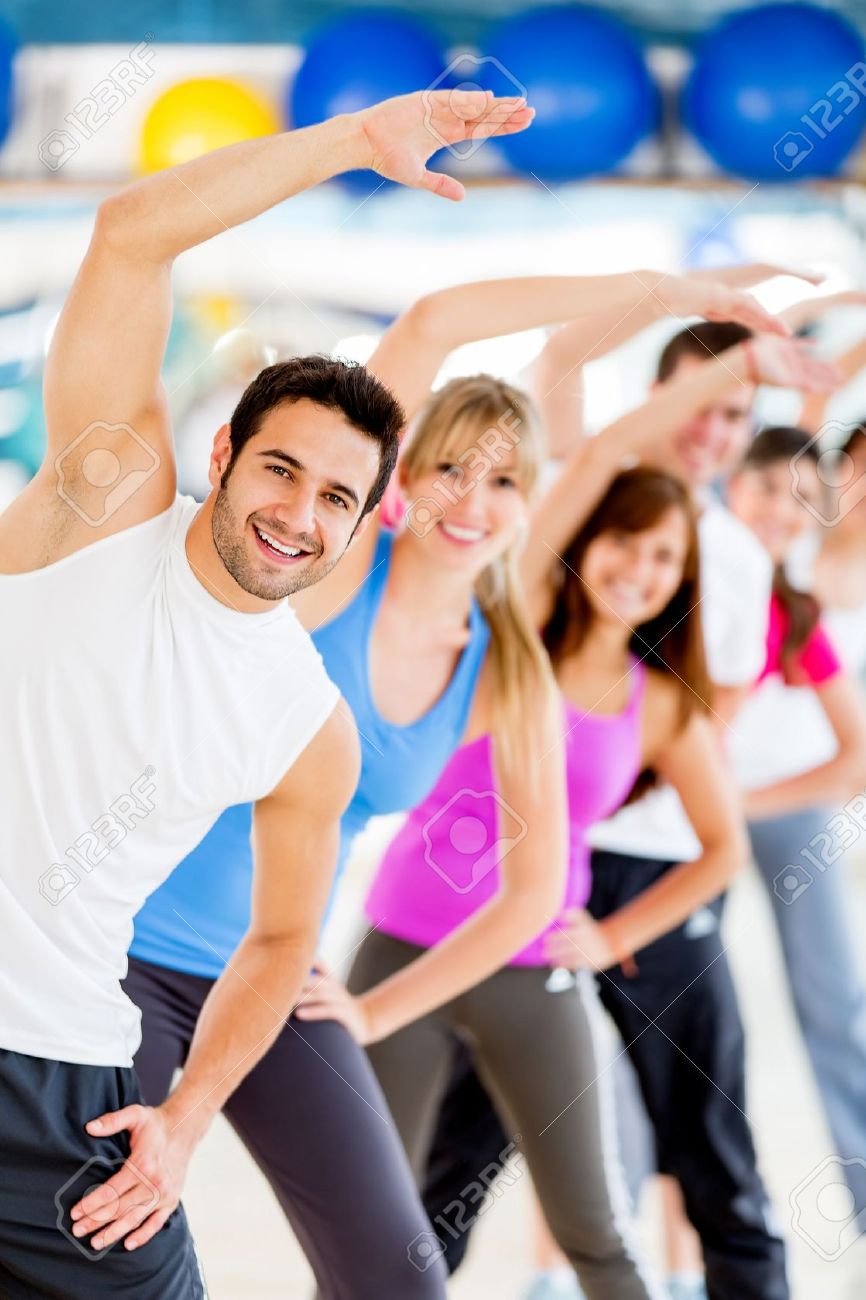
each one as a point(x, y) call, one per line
point(153, 674)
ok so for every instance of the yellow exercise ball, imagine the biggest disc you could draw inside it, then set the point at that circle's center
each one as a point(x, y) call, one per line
point(197, 116)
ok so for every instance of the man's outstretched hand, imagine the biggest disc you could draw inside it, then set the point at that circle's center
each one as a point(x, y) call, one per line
point(403, 133)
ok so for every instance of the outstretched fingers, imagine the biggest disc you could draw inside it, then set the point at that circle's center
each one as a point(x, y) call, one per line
point(748, 311)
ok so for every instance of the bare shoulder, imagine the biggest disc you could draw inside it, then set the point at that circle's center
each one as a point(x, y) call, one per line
point(663, 699)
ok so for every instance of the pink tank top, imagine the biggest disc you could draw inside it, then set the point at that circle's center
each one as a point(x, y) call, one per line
point(814, 663)
point(443, 864)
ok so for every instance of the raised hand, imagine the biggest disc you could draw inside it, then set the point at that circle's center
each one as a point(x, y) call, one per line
point(790, 363)
point(801, 313)
point(403, 133)
point(684, 296)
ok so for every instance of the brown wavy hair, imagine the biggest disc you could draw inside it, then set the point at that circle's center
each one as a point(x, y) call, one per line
point(672, 641)
point(779, 444)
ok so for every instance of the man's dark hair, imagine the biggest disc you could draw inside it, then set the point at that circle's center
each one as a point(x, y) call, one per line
point(706, 339)
point(335, 385)
point(854, 438)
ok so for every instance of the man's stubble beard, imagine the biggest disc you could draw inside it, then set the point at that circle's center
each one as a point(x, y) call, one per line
point(228, 538)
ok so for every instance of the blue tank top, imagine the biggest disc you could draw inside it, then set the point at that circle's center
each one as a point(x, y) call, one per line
point(196, 919)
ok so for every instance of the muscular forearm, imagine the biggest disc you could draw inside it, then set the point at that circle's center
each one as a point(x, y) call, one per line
point(241, 1017)
point(174, 210)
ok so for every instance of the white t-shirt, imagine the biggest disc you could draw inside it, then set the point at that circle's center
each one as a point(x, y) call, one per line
point(136, 707)
point(782, 731)
point(736, 579)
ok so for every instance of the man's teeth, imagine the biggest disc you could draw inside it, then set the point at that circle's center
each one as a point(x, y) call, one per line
point(463, 534)
point(278, 546)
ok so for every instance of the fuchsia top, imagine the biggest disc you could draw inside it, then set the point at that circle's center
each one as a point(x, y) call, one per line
point(814, 663)
point(443, 864)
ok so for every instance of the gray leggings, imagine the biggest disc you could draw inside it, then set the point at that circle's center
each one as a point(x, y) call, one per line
point(312, 1116)
point(824, 969)
point(536, 1054)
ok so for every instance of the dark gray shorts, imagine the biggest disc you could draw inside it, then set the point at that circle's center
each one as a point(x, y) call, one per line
point(47, 1162)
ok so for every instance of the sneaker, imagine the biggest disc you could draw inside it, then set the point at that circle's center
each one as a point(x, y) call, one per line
point(556, 1284)
point(687, 1288)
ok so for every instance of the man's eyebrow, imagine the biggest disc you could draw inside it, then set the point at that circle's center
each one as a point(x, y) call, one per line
point(275, 454)
point(346, 491)
point(284, 455)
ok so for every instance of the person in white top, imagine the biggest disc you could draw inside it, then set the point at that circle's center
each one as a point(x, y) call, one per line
point(154, 674)
point(796, 738)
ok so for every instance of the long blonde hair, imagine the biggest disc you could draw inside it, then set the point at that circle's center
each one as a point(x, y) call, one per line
point(469, 415)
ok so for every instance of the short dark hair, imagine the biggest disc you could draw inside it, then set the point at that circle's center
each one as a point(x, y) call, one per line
point(854, 438)
point(781, 442)
point(706, 339)
point(336, 385)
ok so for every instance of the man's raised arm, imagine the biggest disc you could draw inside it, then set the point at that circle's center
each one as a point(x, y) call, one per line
point(104, 403)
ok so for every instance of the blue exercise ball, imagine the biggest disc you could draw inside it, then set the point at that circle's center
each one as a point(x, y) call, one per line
point(584, 75)
point(770, 96)
point(357, 61)
point(8, 48)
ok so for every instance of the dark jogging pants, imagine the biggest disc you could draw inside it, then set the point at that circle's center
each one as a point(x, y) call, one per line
point(679, 1020)
point(314, 1119)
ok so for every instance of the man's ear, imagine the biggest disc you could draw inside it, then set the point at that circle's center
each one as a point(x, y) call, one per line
point(221, 454)
point(400, 475)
